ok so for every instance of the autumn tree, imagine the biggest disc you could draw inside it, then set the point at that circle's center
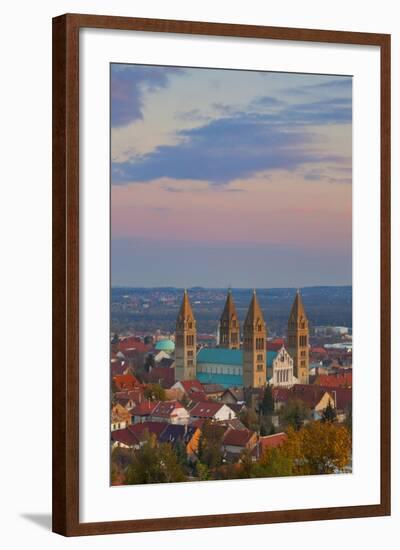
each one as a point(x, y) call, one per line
point(210, 444)
point(154, 392)
point(154, 463)
point(318, 448)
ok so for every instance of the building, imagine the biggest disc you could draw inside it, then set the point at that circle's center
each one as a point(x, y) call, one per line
point(224, 366)
point(282, 370)
point(237, 441)
point(254, 347)
point(208, 410)
point(120, 417)
point(172, 412)
point(298, 340)
point(229, 326)
point(185, 342)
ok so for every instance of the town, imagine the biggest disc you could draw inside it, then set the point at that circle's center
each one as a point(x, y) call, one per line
point(187, 407)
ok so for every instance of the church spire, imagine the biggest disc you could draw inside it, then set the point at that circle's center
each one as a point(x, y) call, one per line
point(298, 339)
point(229, 327)
point(254, 346)
point(254, 312)
point(186, 308)
point(185, 342)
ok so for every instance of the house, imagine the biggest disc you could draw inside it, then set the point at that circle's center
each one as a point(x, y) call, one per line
point(315, 398)
point(124, 439)
point(337, 380)
point(163, 376)
point(213, 391)
point(145, 429)
point(119, 367)
point(236, 441)
point(188, 387)
point(270, 442)
point(142, 412)
point(209, 410)
point(233, 395)
point(189, 435)
point(125, 382)
point(170, 411)
point(120, 417)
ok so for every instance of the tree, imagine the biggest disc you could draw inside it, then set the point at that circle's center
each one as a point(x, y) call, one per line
point(250, 419)
point(210, 444)
point(329, 414)
point(318, 448)
point(267, 403)
point(154, 392)
point(202, 471)
point(149, 362)
point(274, 463)
point(294, 413)
point(154, 463)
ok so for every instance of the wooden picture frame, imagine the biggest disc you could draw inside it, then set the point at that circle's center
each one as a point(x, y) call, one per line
point(66, 273)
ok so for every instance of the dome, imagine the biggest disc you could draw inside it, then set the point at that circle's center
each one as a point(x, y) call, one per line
point(165, 345)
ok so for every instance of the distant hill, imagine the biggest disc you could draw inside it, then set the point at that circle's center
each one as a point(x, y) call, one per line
point(149, 309)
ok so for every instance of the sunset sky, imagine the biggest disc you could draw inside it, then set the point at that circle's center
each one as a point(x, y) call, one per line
point(223, 177)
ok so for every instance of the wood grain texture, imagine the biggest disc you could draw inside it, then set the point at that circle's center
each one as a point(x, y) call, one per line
point(66, 273)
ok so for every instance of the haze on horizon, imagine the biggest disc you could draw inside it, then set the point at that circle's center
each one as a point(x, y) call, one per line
point(223, 177)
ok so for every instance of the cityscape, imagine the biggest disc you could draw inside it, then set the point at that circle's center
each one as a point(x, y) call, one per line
point(231, 274)
point(235, 403)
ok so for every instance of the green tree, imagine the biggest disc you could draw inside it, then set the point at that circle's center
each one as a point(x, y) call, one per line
point(250, 419)
point(154, 392)
point(274, 463)
point(154, 463)
point(295, 413)
point(329, 414)
point(202, 471)
point(210, 444)
point(267, 403)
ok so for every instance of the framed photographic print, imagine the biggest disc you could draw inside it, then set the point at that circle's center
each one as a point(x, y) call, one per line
point(221, 259)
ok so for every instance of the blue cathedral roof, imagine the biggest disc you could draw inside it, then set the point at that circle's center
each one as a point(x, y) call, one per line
point(224, 356)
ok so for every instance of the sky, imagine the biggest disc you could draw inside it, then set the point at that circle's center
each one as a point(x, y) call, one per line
point(224, 177)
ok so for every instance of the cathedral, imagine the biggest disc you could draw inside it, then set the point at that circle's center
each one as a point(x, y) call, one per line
point(245, 362)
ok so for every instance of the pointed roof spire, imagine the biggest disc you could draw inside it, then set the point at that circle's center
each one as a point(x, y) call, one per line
point(254, 312)
point(229, 310)
point(297, 312)
point(186, 308)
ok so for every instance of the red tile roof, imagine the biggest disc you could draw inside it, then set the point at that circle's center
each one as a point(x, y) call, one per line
point(271, 441)
point(311, 395)
point(145, 408)
point(342, 396)
point(133, 342)
point(162, 375)
point(125, 381)
point(139, 430)
point(205, 409)
point(190, 386)
point(125, 436)
point(237, 438)
point(166, 408)
point(342, 379)
point(319, 351)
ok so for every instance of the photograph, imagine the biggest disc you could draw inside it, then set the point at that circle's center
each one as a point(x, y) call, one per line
point(231, 274)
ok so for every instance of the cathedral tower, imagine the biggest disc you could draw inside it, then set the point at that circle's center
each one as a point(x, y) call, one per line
point(298, 341)
point(229, 327)
point(254, 347)
point(185, 342)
